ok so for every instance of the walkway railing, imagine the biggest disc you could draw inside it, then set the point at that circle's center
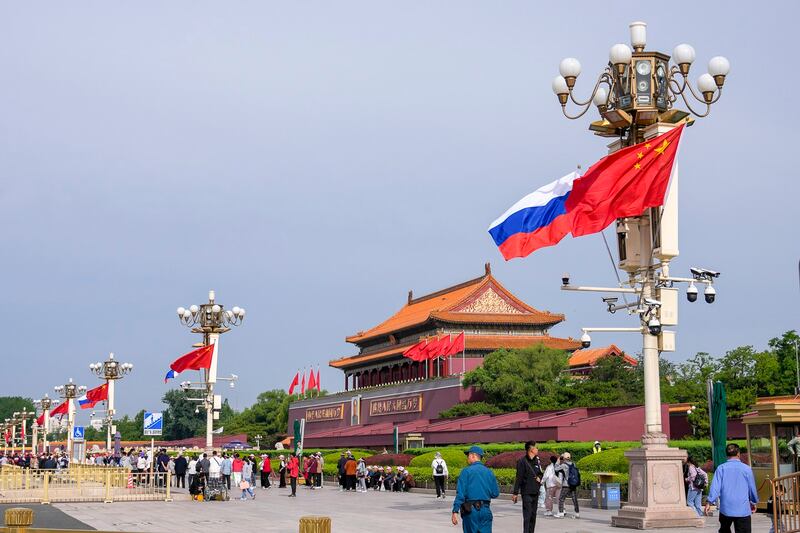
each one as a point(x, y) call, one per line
point(786, 503)
point(82, 483)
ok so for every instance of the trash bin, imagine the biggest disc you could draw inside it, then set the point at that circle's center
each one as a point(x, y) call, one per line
point(605, 496)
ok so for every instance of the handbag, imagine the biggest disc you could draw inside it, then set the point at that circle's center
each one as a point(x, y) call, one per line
point(244, 485)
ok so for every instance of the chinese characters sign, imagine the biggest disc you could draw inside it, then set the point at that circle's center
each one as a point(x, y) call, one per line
point(330, 412)
point(407, 404)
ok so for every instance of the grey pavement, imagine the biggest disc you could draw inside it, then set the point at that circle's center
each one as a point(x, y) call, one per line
point(272, 510)
point(47, 516)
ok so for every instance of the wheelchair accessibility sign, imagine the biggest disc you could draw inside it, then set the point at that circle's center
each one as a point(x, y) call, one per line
point(77, 433)
point(153, 424)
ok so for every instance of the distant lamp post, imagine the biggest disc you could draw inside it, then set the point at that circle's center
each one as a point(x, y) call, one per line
point(69, 391)
point(258, 438)
point(635, 96)
point(110, 370)
point(44, 405)
point(210, 320)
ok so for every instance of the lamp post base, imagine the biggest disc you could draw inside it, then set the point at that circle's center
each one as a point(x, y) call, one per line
point(656, 495)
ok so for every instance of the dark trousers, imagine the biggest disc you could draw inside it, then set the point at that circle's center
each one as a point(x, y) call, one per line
point(439, 481)
point(191, 478)
point(741, 524)
point(226, 478)
point(350, 483)
point(265, 480)
point(294, 485)
point(282, 483)
point(180, 481)
point(568, 491)
point(529, 504)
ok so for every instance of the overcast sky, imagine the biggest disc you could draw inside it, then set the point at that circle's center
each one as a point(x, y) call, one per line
point(313, 161)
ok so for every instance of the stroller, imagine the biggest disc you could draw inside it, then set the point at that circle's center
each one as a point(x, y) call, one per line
point(216, 490)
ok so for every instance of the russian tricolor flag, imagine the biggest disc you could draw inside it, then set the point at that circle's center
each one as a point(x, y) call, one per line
point(538, 220)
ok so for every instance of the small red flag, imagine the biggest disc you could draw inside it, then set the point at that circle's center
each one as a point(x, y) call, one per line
point(303, 383)
point(62, 409)
point(40, 420)
point(434, 347)
point(295, 383)
point(319, 383)
point(94, 396)
point(312, 380)
point(456, 346)
point(415, 352)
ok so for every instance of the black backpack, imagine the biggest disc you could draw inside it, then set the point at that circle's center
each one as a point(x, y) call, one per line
point(700, 480)
point(439, 468)
point(574, 476)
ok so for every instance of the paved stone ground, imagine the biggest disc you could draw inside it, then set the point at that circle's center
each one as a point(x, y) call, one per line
point(48, 516)
point(351, 513)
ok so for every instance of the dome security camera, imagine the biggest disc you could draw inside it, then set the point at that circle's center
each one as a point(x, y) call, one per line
point(691, 293)
point(586, 340)
point(710, 294)
point(654, 326)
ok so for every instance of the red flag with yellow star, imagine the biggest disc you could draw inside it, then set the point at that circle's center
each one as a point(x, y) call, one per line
point(623, 184)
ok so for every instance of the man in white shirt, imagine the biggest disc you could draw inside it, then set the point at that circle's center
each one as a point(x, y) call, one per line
point(215, 466)
point(439, 468)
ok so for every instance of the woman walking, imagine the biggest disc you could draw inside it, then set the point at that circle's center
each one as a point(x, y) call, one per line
point(282, 472)
point(244, 484)
point(698, 480)
point(266, 471)
point(552, 485)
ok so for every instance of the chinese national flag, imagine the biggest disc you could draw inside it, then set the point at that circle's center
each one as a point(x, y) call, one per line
point(623, 184)
point(312, 380)
point(60, 410)
point(319, 382)
point(295, 382)
point(456, 345)
point(303, 383)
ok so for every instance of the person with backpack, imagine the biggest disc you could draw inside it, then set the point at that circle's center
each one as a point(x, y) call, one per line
point(528, 481)
point(440, 474)
point(571, 477)
point(698, 481)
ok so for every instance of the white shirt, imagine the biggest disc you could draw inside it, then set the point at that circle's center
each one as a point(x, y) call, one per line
point(192, 469)
point(214, 466)
point(437, 462)
point(550, 478)
point(141, 463)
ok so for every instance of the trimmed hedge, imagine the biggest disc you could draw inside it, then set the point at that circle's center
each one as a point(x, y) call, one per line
point(606, 461)
point(453, 458)
point(391, 459)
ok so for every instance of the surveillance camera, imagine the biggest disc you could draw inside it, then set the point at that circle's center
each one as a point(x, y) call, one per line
point(654, 326)
point(565, 279)
point(703, 273)
point(652, 302)
point(610, 299)
point(586, 340)
point(691, 293)
point(710, 293)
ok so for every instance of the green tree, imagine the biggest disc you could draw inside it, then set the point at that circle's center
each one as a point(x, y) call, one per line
point(267, 417)
point(784, 350)
point(11, 404)
point(611, 382)
point(521, 380)
point(180, 419)
point(470, 409)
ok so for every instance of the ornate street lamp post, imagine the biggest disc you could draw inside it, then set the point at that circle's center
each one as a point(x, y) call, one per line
point(21, 418)
point(44, 404)
point(258, 438)
point(210, 320)
point(635, 96)
point(110, 370)
point(69, 391)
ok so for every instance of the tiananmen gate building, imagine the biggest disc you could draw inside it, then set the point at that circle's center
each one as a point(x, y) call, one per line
point(385, 391)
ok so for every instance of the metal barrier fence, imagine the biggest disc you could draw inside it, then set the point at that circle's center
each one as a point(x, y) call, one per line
point(82, 483)
point(785, 503)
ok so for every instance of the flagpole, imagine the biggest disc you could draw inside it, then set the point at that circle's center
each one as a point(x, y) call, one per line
point(463, 353)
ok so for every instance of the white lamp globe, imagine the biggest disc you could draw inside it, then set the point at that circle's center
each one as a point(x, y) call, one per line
point(719, 66)
point(560, 85)
point(570, 67)
point(619, 54)
point(706, 83)
point(683, 54)
point(194, 309)
point(181, 311)
point(638, 35)
point(600, 97)
point(216, 308)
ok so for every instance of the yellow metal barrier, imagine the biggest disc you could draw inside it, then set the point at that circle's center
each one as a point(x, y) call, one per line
point(82, 483)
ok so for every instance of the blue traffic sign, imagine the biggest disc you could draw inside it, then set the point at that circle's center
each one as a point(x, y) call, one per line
point(153, 423)
point(77, 432)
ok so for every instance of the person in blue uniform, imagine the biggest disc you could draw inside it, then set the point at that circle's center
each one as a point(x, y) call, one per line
point(476, 488)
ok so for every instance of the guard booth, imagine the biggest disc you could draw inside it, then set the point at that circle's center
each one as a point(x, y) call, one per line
point(772, 424)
